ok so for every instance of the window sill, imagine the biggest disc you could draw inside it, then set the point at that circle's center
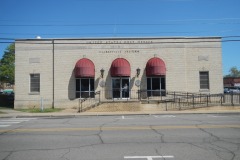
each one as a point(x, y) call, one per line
point(204, 90)
point(34, 93)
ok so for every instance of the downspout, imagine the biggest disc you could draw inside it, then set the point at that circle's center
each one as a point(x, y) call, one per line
point(53, 52)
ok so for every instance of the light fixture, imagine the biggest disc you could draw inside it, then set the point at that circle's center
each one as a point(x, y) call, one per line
point(102, 72)
point(138, 71)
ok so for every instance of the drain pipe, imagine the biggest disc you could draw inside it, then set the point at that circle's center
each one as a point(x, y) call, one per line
point(53, 94)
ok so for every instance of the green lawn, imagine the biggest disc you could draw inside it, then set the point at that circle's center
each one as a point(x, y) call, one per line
point(37, 110)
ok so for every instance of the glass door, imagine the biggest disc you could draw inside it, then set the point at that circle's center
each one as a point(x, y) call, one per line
point(125, 87)
point(116, 88)
point(120, 87)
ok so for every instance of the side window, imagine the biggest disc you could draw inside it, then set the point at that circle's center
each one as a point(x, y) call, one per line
point(34, 83)
point(204, 80)
point(85, 88)
point(156, 86)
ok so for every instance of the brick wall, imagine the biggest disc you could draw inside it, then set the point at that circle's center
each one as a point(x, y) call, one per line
point(183, 63)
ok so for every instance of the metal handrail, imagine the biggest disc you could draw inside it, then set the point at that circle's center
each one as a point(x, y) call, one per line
point(80, 104)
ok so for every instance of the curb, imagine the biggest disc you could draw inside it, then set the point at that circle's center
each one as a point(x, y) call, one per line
point(109, 114)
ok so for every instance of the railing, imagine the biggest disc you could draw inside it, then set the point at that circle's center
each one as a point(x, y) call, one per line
point(87, 103)
point(129, 95)
point(162, 95)
point(119, 95)
point(192, 101)
point(167, 100)
point(149, 95)
point(231, 99)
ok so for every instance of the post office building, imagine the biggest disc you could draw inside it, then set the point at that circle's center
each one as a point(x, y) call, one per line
point(61, 71)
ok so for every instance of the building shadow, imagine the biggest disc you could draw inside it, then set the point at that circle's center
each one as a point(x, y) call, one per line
point(72, 87)
point(143, 85)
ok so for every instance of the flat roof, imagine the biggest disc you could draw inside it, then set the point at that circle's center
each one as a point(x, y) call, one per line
point(119, 38)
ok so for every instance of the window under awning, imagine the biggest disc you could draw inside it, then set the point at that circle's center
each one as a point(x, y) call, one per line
point(155, 67)
point(120, 68)
point(84, 68)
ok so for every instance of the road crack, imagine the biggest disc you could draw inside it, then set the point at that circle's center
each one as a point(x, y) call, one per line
point(219, 150)
point(6, 158)
point(158, 133)
point(101, 130)
point(63, 156)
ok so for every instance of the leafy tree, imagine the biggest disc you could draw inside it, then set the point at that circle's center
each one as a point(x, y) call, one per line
point(234, 72)
point(7, 65)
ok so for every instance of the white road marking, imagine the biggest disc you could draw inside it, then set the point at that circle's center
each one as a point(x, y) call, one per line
point(146, 157)
point(164, 116)
point(12, 120)
point(9, 122)
point(23, 118)
point(123, 117)
point(1, 122)
point(213, 116)
point(4, 126)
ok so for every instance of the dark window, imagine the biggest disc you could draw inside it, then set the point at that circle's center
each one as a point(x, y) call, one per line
point(204, 80)
point(85, 88)
point(163, 85)
point(78, 85)
point(156, 86)
point(34, 82)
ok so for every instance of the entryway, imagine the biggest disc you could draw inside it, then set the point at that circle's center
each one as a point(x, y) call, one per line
point(120, 87)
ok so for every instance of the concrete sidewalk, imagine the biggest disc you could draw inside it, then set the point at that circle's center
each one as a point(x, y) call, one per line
point(10, 113)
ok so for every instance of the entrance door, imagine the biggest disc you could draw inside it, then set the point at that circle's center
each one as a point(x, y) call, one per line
point(120, 87)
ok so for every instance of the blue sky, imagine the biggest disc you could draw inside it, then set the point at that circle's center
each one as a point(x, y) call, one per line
point(123, 18)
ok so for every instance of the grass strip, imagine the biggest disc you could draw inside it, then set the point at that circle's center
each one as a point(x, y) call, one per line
point(37, 110)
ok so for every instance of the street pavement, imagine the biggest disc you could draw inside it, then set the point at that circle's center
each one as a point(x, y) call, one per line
point(189, 136)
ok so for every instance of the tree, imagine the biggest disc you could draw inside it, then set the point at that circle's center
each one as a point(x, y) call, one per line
point(234, 72)
point(7, 65)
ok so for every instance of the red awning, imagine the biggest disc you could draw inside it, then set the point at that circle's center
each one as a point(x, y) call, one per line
point(84, 68)
point(155, 67)
point(120, 68)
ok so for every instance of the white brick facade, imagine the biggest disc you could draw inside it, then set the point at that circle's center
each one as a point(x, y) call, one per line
point(55, 59)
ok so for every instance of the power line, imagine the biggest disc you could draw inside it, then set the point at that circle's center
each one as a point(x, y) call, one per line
point(97, 33)
point(110, 33)
point(231, 37)
point(231, 20)
point(162, 21)
point(7, 39)
point(113, 24)
point(237, 40)
point(60, 23)
point(119, 33)
point(7, 42)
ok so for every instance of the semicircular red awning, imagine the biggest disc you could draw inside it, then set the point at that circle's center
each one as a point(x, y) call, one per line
point(120, 68)
point(84, 68)
point(155, 67)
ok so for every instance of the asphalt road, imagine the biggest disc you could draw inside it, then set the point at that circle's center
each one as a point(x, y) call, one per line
point(153, 137)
